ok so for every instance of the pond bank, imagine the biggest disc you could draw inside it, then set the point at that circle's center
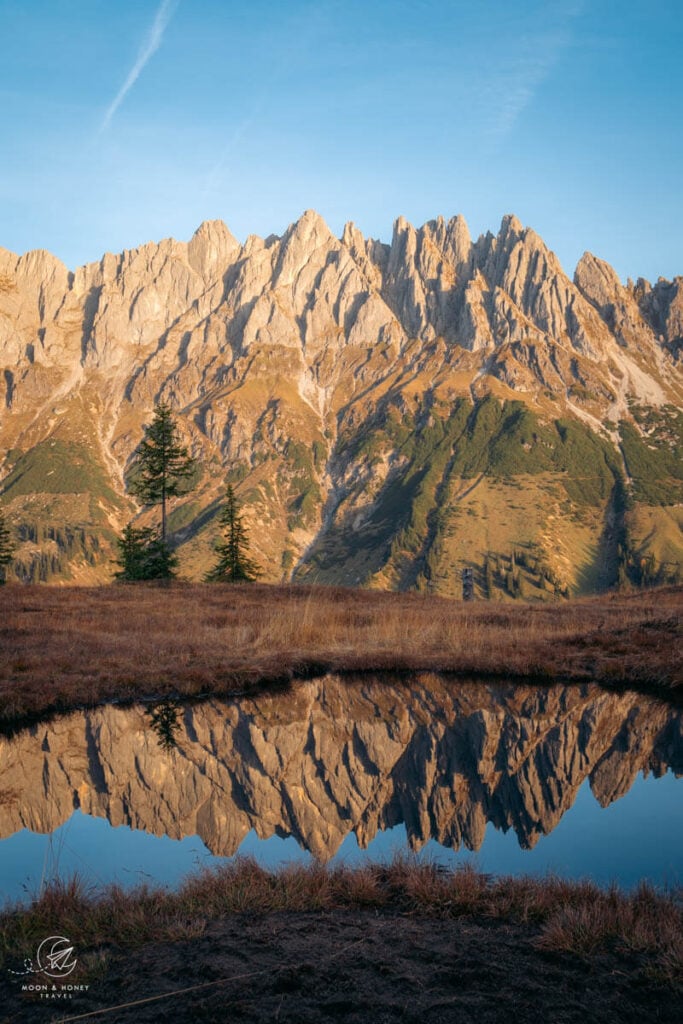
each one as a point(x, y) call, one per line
point(399, 942)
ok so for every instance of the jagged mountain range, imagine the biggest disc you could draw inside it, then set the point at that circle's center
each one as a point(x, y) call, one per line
point(388, 413)
point(340, 755)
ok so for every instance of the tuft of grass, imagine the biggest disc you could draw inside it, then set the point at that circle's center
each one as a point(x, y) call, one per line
point(644, 922)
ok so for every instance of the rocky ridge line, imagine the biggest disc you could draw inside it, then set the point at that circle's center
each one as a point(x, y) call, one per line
point(303, 340)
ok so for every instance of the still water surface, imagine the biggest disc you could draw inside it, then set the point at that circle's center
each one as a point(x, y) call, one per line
point(512, 779)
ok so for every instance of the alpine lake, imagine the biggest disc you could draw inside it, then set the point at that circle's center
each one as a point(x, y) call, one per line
point(576, 781)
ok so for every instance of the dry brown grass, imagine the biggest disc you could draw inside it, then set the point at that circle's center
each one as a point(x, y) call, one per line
point(62, 648)
point(569, 917)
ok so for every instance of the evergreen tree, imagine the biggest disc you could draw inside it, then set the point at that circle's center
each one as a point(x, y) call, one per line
point(234, 564)
point(164, 720)
point(6, 548)
point(144, 556)
point(161, 464)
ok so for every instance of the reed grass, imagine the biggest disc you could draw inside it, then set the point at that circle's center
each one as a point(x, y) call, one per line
point(575, 918)
point(67, 647)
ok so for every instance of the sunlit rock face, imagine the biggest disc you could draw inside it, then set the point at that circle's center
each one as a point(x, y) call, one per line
point(298, 364)
point(336, 756)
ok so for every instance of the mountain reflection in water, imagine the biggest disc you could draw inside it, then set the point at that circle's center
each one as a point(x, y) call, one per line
point(338, 755)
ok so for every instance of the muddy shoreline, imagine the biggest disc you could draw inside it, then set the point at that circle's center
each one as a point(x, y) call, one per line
point(400, 942)
point(357, 965)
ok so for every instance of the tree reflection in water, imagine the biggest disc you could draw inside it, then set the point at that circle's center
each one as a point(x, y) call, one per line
point(165, 722)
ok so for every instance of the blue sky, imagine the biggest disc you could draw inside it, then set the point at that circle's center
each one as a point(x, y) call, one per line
point(122, 122)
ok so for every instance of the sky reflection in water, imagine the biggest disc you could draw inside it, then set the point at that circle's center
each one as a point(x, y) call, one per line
point(638, 837)
point(432, 764)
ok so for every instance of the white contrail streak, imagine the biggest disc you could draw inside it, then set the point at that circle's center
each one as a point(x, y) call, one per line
point(147, 50)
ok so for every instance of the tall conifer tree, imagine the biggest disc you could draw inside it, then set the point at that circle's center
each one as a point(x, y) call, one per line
point(234, 564)
point(161, 464)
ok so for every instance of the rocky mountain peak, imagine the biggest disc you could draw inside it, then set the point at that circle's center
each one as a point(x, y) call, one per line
point(511, 228)
point(623, 309)
point(352, 237)
point(663, 306)
point(597, 280)
point(305, 244)
point(309, 231)
point(212, 249)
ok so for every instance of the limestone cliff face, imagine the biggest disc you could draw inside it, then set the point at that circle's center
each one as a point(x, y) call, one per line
point(335, 756)
point(280, 354)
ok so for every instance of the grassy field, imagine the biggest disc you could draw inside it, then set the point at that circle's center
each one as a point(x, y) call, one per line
point(62, 648)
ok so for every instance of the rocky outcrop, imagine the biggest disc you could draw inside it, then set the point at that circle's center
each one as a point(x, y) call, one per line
point(277, 352)
point(662, 307)
point(335, 756)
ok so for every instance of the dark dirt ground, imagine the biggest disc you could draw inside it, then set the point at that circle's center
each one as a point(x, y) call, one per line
point(357, 966)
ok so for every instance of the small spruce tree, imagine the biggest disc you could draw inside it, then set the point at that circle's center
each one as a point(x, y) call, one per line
point(234, 564)
point(6, 548)
point(144, 556)
point(164, 720)
point(161, 464)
